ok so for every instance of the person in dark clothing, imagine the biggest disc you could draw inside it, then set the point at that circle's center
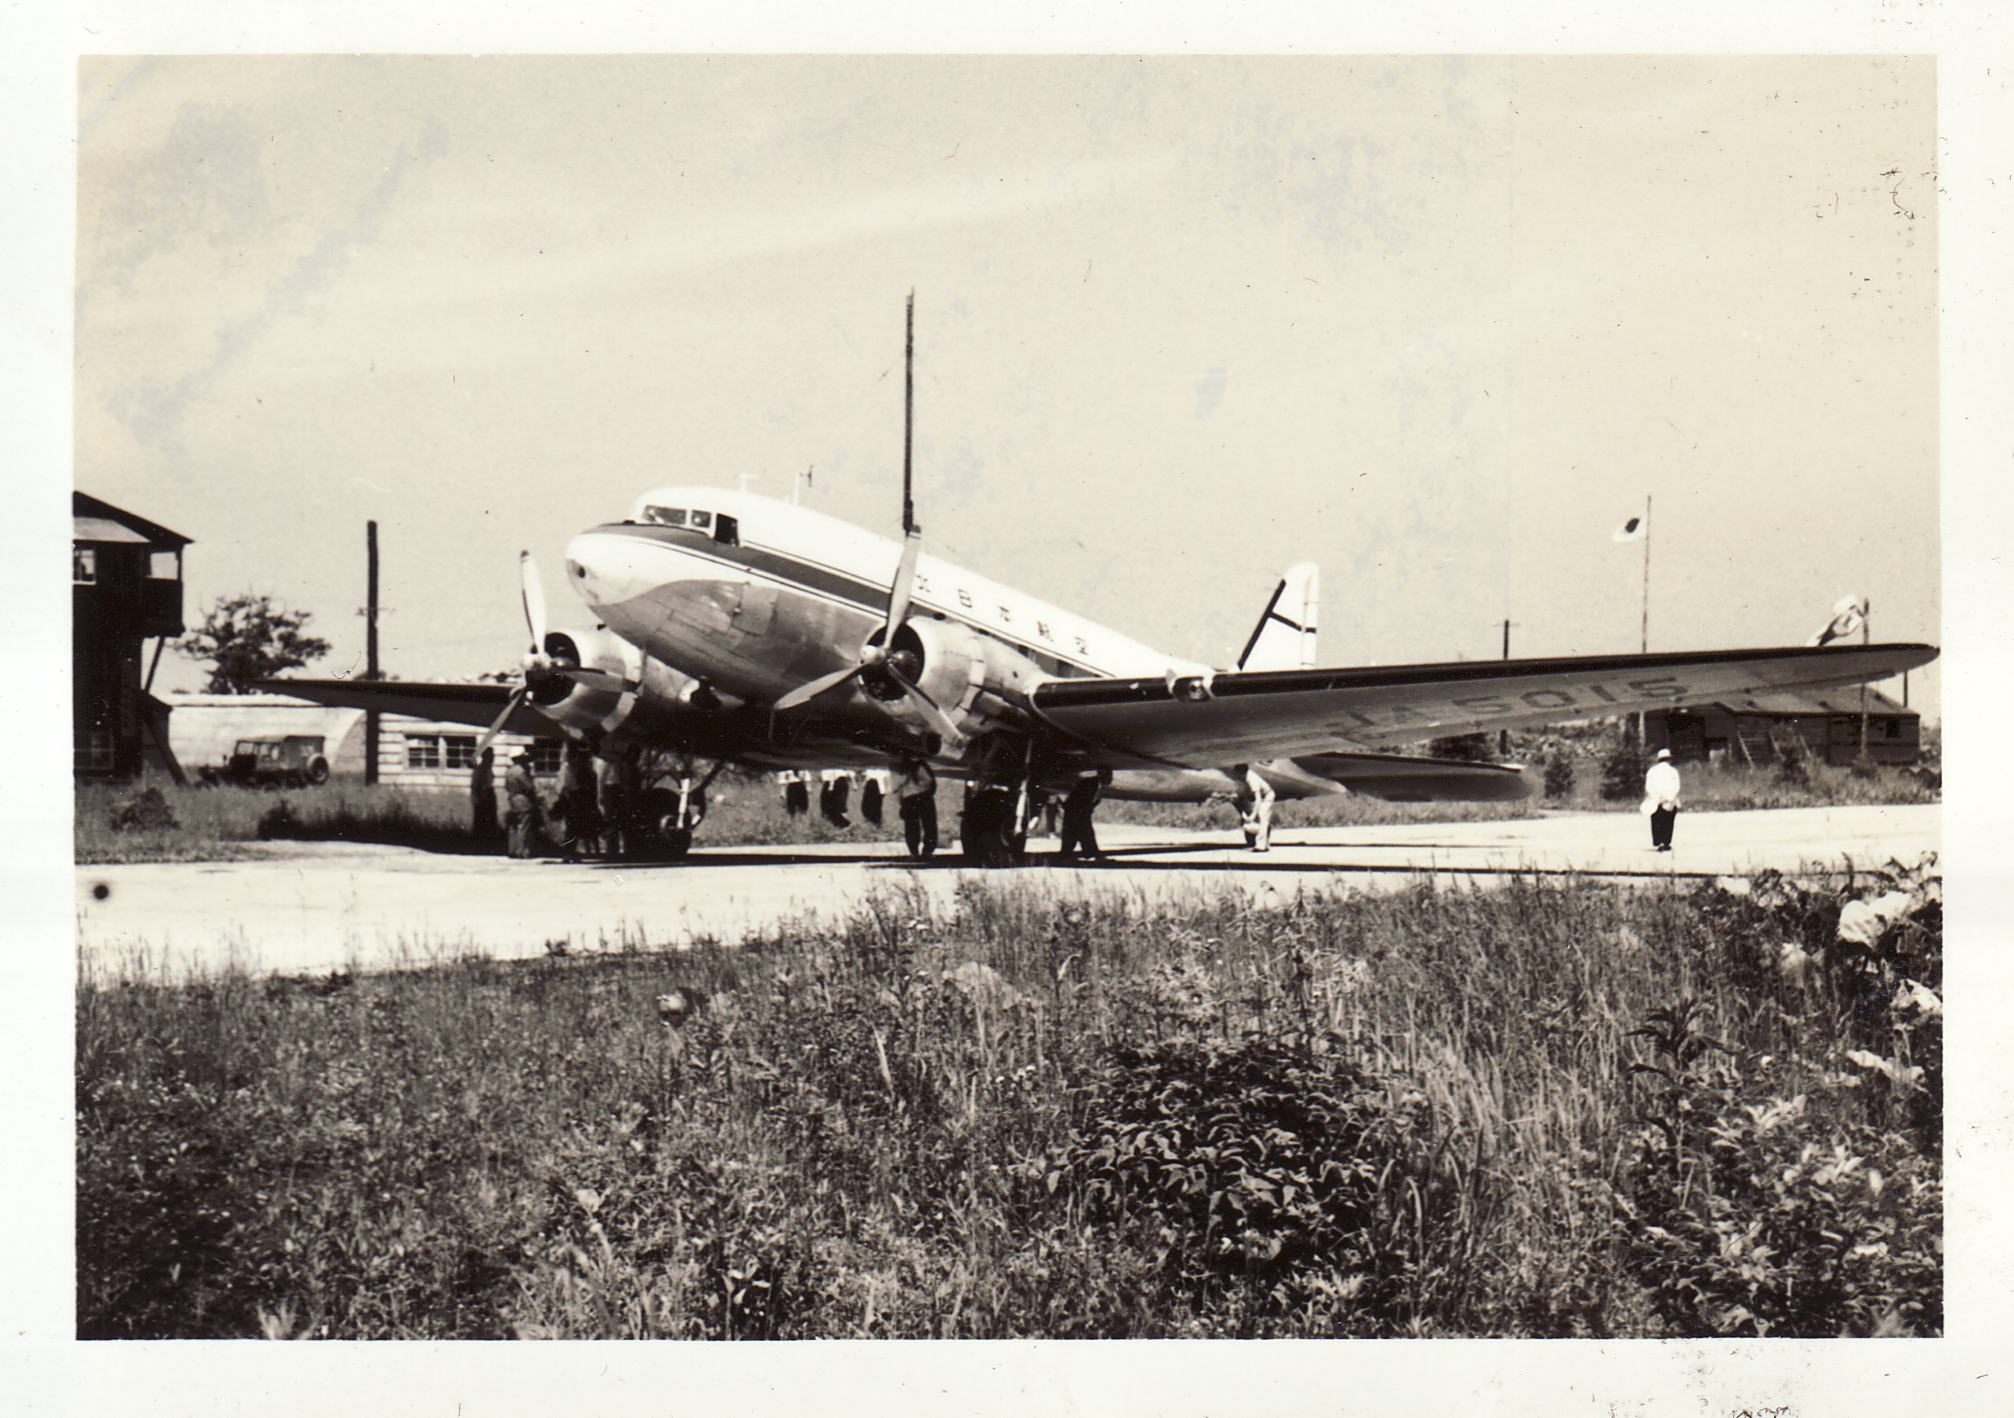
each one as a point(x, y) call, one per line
point(916, 790)
point(525, 814)
point(796, 796)
point(579, 803)
point(1079, 834)
point(483, 798)
point(833, 791)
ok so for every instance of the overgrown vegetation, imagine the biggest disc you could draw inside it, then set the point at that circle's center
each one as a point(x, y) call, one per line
point(1546, 1109)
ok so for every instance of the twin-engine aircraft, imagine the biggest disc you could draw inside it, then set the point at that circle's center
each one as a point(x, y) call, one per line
point(743, 629)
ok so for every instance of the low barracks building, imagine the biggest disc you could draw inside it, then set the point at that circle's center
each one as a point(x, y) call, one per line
point(412, 753)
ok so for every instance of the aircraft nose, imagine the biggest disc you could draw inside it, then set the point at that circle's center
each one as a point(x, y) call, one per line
point(592, 570)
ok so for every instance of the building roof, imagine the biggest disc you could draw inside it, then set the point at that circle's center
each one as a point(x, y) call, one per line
point(1842, 700)
point(99, 521)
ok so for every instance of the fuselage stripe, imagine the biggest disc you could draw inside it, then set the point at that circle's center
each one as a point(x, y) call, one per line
point(796, 573)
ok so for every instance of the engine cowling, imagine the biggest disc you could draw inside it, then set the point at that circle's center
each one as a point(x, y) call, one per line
point(954, 666)
point(592, 707)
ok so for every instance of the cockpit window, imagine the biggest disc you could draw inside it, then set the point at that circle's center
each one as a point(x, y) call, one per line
point(726, 530)
point(702, 520)
point(665, 516)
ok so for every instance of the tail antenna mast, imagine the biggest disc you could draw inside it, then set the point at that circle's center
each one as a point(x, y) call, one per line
point(909, 526)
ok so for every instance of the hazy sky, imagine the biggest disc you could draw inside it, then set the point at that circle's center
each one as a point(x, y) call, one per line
point(1436, 324)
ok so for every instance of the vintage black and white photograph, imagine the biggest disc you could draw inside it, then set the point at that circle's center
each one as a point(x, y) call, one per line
point(1014, 696)
point(856, 697)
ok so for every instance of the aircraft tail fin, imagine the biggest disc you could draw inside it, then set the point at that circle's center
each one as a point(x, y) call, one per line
point(1284, 638)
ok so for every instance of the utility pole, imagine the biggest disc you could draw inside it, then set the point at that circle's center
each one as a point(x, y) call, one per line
point(1864, 635)
point(1503, 735)
point(1643, 630)
point(371, 650)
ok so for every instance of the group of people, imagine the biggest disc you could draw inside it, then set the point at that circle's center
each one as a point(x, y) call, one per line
point(585, 818)
point(589, 816)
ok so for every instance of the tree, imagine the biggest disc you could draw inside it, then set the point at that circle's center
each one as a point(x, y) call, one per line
point(247, 638)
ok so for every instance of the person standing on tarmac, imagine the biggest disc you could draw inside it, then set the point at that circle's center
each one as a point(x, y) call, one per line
point(483, 797)
point(1255, 809)
point(916, 790)
point(1660, 799)
point(1079, 833)
point(524, 812)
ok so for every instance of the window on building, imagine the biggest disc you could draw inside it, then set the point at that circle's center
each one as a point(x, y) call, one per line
point(164, 566)
point(83, 566)
point(546, 755)
point(423, 750)
point(459, 750)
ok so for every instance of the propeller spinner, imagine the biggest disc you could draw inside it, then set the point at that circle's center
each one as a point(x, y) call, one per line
point(539, 670)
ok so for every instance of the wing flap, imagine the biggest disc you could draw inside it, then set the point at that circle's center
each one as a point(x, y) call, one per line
point(1207, 720)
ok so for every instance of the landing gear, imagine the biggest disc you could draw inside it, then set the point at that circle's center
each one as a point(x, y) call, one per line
point(675, 805)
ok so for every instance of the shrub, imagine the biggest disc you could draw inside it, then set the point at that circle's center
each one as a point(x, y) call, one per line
point(1622, 773)
point(1748, 1213)
point(1558, 775)
point(1253, 1173)
point(145, 811)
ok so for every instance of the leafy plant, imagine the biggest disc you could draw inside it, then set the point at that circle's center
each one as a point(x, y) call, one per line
point(1254, 1170)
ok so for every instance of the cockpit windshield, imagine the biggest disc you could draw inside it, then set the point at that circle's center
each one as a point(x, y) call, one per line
point(724, 529)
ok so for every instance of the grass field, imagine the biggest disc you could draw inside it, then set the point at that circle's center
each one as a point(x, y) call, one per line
point(1550, 1109)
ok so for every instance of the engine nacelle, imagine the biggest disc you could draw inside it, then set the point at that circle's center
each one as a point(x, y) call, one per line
point(954, 666)
point(592, 709)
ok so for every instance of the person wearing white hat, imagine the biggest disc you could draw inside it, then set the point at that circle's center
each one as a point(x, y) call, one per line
point(1660, 799)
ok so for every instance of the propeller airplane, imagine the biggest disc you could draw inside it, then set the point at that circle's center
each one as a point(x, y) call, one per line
point(743, 629)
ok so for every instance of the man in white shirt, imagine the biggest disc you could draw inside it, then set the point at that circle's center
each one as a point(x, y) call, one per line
point(1660, 799)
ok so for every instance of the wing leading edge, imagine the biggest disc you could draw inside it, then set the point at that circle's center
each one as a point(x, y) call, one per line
point(446, 703)
point(1204, 720)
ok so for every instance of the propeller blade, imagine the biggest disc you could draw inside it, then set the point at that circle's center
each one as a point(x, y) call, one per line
point(905, 582)
point(591, 678)
point(533, 595)
point(804, 693)
point(936, 717)
point(510, 707)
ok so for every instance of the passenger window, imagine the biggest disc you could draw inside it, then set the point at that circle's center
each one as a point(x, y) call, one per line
point(726, 530)
point(702, 520)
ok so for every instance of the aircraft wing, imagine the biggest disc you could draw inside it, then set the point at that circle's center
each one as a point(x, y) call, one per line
point(448, 703)
point(1209, 720)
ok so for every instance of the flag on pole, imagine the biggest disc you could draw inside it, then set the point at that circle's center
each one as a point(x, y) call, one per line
point(1632, 530)
point(1849, 613)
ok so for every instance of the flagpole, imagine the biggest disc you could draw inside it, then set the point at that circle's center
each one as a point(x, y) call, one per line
point(1643, 643)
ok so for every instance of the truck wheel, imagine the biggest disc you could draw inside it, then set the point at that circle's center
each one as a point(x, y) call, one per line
point(318, 771)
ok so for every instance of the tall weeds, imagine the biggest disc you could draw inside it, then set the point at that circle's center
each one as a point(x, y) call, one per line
point(1412, 1114)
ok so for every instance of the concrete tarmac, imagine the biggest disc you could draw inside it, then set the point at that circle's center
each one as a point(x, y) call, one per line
point(313, 907)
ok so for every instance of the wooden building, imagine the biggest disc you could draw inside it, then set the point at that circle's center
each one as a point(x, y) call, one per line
point(1755, 728)
point(412, 753)
point(125, 589)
